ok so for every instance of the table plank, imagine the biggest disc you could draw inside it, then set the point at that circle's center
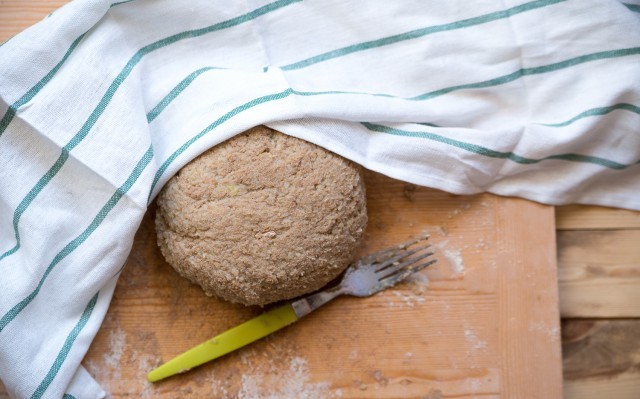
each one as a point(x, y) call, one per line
point(599, 273)
point(601, 358)
point(583, 217)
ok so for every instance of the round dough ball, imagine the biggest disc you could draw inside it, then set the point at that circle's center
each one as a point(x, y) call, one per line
point(262, 217)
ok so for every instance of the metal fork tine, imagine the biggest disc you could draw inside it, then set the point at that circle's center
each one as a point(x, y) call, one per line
point(393, 279)
point(407, 264)
point(381, 255)
point(405, 254)
point(378, 255)
point(386, 253)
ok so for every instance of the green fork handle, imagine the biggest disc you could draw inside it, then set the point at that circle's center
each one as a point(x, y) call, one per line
point(228, 341)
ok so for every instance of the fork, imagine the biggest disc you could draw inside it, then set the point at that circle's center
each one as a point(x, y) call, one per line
point(365, 277)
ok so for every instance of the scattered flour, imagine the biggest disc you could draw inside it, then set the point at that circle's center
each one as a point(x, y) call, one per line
point(417, 285)
point(267, 374)
point(434, 394)
point(380, 378)
point(111, 360)
point(453, 213)
point(453, 257)
point(482, 244)
point(552, 332)
point(145, 364)
point(473, 385)
point(292, 383)
point(407, 300)
point(419, 280)
point(474, 342)
point(108, 369)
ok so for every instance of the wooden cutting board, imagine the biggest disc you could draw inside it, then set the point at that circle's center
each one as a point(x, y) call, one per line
point(482, 322)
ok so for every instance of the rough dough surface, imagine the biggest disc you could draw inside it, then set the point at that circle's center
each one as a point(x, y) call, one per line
point(262, 217)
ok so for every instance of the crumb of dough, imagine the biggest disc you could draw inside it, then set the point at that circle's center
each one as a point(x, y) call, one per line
point(262, 217)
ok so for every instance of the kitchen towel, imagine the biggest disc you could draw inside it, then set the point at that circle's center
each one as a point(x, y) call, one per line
point(102, 102)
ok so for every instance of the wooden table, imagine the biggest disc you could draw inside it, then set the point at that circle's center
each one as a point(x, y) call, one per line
point(483, 322)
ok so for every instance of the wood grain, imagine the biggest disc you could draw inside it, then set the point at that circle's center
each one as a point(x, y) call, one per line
point(621, 386)
point(17, 15)
point(527, 319)
point(582, 217)
point(599, 273)
point(601, 359)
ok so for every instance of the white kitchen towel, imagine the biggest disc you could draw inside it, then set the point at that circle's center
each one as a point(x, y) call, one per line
point(102, 102)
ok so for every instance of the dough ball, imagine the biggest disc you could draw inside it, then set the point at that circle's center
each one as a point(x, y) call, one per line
point(262, 217)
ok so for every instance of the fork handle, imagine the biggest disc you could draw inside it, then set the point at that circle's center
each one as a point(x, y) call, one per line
point(228, 341)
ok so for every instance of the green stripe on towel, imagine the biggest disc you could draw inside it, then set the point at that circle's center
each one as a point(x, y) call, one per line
point(64, 351)
point(414, 34)
point(601, 55)
point(235, 111)
point(82, 237)
point(179, 88)
point(11, 112)
point(632, 7)
point(596, 112)
point(476, 149)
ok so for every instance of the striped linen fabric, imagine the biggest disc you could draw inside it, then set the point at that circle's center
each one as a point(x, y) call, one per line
point(102, 102)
